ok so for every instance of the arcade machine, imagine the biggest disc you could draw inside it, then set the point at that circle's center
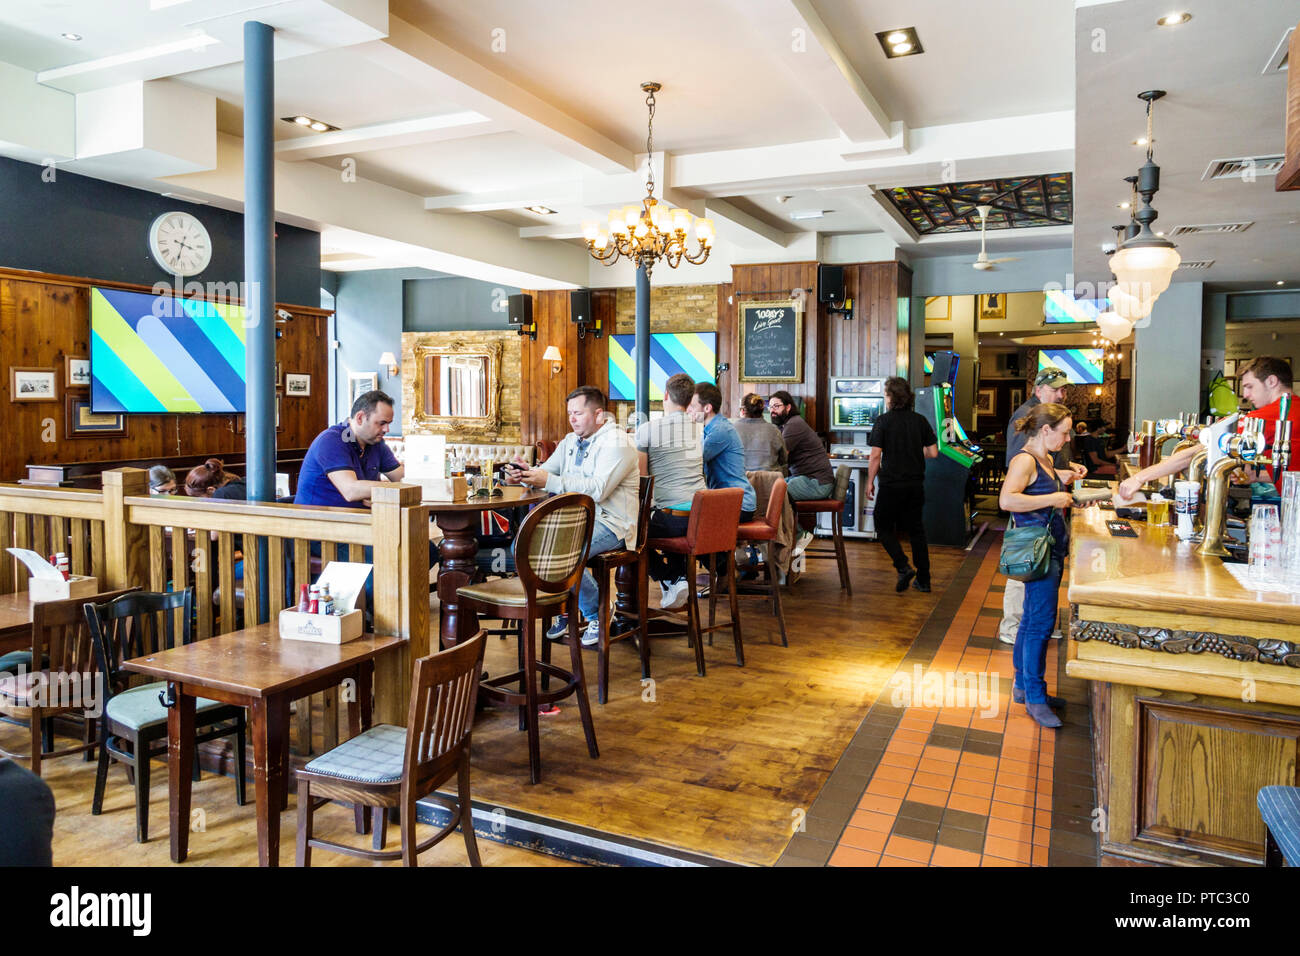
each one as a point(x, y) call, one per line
point(947, 504)
point(856, 403)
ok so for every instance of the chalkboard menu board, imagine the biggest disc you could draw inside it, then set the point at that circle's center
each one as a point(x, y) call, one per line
point(771, 342)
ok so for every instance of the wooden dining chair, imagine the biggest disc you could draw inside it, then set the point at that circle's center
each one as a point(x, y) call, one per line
point(388, 766)
point(550, 556)
point(763, 531)
point(133, 728)
point(66, 685)
point(711, 530)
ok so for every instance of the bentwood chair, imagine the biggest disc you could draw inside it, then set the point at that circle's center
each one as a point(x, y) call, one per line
point(65, 685)
point(133, 728)
point(763, 531)
point(550, 556)
point(833, 506)
point(632, 621)
point(711, 530)
point(390, 766)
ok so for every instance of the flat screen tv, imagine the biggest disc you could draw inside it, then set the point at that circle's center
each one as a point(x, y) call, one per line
point(1062, 308)
point(156, 354)
point(1081, 366)
point(695, 353)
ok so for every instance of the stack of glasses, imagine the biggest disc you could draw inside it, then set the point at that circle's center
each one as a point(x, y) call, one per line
point(1290, 569)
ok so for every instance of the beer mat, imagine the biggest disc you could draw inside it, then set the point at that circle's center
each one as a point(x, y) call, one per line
point(1121, 529)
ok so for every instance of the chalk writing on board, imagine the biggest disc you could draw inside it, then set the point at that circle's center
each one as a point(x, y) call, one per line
point(771, 342)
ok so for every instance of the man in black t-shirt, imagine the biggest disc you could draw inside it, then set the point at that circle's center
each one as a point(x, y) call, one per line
point(901, 441)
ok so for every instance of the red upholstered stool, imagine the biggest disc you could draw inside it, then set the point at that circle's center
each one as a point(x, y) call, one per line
point(762, 531)
point(834, 506)
point(715, 517)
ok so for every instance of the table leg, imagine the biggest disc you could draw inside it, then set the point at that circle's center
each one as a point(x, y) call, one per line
point(180, 761)
point(270, 719)
point(458, 548)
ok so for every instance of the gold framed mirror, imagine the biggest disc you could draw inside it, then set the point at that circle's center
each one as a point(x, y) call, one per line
point(457, 389)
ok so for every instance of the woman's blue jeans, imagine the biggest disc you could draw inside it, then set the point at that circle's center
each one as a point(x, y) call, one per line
point(1036, 625)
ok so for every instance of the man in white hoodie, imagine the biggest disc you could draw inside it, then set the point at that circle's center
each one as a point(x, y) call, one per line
point(599, 460)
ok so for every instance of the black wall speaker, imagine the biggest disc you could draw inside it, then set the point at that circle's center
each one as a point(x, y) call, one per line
point(1013, 363)
point(830, 283)
point(580, 305)
point(521, 309)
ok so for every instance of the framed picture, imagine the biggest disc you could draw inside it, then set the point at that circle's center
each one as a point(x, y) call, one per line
point(938, 307)
point(298, 386)
point(31, 384)
point(1017, 398)
point(76, 372)
point(81, 422)
point(986, 401)
point(359, 383)
point(993, 305)
point(279, 375)
point(241, 426)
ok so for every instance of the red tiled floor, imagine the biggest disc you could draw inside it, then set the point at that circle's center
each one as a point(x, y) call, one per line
point(907, 849)
point(880, 803)
point(949, 856)
point(848, 856)
point(872, 820)
point(1007, 849)
point(861, 839)
point(936, 798)
point(896, 861)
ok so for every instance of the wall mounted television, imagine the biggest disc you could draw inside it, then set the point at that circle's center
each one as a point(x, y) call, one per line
point(156, 354)
point(695, 353)
point(1081, 366)
point(1062, 308)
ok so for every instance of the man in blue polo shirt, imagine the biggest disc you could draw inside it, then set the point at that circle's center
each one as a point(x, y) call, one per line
point(346, 460)
point(723, 452)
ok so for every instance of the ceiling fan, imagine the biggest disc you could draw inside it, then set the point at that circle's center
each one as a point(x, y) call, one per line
point(982, 262)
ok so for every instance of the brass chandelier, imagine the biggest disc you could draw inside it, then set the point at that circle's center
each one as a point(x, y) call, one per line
point(650, 232)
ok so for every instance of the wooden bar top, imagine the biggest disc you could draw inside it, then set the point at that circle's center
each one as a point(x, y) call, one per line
point(255, 662)
point(1157, 572)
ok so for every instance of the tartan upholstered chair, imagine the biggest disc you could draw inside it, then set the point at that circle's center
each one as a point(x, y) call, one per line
point(550, 555)
point(391, 766)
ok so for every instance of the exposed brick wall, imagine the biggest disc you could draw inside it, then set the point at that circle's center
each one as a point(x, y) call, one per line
point(673, 308)
point(510, 375)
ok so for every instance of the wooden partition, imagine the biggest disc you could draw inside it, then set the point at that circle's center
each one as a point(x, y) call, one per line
point(125, 537)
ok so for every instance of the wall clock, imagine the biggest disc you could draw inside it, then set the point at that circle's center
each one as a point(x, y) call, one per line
point(180, 243)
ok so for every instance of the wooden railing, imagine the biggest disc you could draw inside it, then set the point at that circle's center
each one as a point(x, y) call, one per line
point(125, 537)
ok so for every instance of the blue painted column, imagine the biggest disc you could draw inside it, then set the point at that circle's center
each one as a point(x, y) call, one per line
point(259, 258)
point(642, 343)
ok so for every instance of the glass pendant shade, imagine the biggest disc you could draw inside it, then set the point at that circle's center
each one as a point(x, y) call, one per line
point(1145, 267)
point(1114, 326)
point(1130, 307)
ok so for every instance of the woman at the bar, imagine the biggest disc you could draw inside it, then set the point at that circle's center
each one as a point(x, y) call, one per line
point(1032, 493)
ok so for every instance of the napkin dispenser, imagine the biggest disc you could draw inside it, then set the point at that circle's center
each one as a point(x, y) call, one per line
point(320, 628)
point(50, 589)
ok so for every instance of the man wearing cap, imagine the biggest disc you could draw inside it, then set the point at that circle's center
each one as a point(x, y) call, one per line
point(1049, 386)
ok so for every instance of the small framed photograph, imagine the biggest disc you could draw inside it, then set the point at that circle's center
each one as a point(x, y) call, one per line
point(1230, 368)
point(1017, 398)
point(298, 386)
point(359, 383)
point(986, 401)
point(31, 384)
point(279, 375)
point(81, 422)
point(993, 305)
point(76, 372)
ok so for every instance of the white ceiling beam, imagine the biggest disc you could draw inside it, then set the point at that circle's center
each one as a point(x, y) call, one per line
point(850, 102)
point(365, 139)
point(742, 228)
point(883, 215)
point(410, 52)
point(533, 194)
point(557, 231)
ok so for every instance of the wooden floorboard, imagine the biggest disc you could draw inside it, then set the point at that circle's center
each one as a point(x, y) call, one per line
point(721, 765)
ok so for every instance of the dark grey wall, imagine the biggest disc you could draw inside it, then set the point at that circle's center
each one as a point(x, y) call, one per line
point(86, 227)
point(453, 303)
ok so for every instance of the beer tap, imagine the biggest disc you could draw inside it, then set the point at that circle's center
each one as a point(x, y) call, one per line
point(1242, 449)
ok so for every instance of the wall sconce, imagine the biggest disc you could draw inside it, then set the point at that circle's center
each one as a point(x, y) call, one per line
point(389, 360)
point(552, 355)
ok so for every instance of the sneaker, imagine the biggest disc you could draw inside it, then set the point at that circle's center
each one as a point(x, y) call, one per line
point(675, 595)
point(805, 538)
point(560, 629)
point(702, 585)
point(591, 636)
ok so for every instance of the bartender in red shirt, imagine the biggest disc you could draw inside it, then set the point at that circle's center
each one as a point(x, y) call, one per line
point(1263, 383)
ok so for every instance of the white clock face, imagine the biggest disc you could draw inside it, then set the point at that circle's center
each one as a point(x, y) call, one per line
point(180, 244)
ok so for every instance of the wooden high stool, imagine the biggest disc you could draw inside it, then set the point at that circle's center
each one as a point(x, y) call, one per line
point(834, 506)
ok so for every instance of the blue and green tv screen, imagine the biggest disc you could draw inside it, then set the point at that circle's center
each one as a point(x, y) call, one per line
point(1062, 308)
point(695, 353)
point(157, 354)
point(1081, 366)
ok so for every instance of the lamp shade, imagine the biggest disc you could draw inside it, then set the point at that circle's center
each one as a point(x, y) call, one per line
point(1130, 307)
point(552, 354)
point(387, 359)
point(1145, 269)
point(1114, 326)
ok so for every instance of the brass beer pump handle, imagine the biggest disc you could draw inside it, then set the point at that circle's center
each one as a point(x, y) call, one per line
point(1216, 503)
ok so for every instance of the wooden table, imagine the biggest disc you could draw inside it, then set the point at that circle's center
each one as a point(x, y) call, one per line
point(253, 668)
point(15, 622)
point(459, 523)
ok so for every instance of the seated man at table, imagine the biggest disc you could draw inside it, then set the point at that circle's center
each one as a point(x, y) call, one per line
point(811, 477)
point(723, 453)
point(671, 449)
point(345, 461)
point(595, 459)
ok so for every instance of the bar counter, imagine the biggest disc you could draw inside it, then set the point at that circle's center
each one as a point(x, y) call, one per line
point(1195, 694)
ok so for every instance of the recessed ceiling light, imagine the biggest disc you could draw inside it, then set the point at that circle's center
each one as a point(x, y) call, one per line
point(310, 122)
point(74, 37)
point(809, 214)
point(541, 210)
point(1280, 282)
point(1173, 19)
point(901, 42)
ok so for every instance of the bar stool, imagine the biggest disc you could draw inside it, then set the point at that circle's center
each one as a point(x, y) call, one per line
point(1280, 808)
point(715, 518)
point(550, 556)
point(600, 566)
point(834, 506)
point(763, 531)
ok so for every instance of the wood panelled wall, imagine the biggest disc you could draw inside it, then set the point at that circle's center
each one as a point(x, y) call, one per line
point(45, 318)
point(543, 413)
point(874, 343)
